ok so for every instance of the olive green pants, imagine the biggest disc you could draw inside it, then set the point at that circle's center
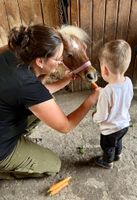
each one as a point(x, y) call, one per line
point(29, 160)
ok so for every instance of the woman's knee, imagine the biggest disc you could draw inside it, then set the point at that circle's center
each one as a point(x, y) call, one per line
point(53, 164)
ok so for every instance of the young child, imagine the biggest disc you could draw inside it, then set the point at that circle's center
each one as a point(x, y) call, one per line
point(114, 101)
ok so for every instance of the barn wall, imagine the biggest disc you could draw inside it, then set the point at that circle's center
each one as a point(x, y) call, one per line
point(17, 12)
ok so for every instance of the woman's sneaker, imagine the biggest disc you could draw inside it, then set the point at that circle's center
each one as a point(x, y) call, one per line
point(102, 163)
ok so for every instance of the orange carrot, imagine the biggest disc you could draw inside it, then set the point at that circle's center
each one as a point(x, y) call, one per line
point(59, 184)
point(94, 86)
point(53, 192)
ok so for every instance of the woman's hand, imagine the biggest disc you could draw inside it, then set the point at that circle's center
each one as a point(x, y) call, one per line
point(94, 95)
point(69, 76)
point(57, 85)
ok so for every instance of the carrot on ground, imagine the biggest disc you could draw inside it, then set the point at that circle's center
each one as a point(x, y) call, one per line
point(59, 184)
point(94, 85)
point(53, 192)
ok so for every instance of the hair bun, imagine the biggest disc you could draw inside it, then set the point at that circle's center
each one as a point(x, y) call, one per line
point(19, 38)
point(25, 41)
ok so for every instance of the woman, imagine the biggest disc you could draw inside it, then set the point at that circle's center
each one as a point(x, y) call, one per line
point(40, 49)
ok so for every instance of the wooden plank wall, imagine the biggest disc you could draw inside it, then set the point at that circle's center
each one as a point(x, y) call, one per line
point(105, 20)
point(17, 12)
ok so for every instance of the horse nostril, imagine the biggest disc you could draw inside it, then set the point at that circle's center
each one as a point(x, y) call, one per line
point(89, 76)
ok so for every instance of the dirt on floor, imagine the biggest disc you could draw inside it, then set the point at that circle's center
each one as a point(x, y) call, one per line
point(77, 150)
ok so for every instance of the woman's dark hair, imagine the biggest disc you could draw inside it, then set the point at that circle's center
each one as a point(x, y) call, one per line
point(34, 41)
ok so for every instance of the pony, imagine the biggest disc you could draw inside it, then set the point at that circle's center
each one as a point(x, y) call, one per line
point(74, 55)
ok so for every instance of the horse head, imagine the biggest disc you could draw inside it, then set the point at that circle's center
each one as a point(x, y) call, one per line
point(74, 55)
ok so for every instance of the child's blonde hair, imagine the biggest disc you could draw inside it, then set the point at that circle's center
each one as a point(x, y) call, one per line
point(116, 54)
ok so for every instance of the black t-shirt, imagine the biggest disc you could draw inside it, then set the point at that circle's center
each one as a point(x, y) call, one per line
point(19, 89)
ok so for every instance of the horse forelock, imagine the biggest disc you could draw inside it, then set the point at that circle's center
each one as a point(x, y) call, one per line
point(68, 30)
point(74, 44)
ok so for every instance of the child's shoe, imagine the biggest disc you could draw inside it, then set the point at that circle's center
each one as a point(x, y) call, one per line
point(117, 157)
point(102, 163)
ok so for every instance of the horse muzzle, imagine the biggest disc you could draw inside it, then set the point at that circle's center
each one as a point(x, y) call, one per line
point(91, 75)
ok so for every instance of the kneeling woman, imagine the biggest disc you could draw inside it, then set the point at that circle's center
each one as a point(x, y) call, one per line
point(39, 51)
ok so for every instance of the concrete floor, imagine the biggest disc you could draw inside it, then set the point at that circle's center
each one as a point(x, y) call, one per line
point(89, 182)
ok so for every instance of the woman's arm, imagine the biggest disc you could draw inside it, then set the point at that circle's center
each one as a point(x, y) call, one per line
point(58, 85)
point(50, 113)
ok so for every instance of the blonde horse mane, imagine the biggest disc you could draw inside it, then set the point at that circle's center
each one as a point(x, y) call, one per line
point(67, 30)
